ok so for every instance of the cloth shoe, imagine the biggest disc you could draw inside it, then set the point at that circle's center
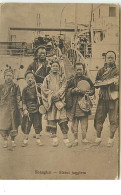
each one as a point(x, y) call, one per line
point(5, 145)
point(13, 143)
point(25, 143)
point(110, 142)
point(98, 140)
point(67, 143)
point(55, 142)
point(75, 143)
point(38, 141)
point(85, 141)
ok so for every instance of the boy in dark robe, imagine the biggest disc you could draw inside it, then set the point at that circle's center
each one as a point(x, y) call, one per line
point(10, 108)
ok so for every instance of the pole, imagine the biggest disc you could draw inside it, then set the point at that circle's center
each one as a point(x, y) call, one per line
point(91, 31)
point(75, 18)
point(75, 34)
point(61, 17)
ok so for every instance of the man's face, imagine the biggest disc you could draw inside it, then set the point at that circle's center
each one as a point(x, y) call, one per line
point(8, 77)
point(42, 54)
point(79, 70)
point(30, 79)
point(110, 58)
point(55, 67)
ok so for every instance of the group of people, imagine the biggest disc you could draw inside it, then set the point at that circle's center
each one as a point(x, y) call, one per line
point(49, 93)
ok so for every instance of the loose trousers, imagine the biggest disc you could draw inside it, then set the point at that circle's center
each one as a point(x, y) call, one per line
point(84, 126)
point(105, 107)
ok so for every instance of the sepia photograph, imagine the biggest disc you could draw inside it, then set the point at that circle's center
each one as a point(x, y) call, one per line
point(59, 91)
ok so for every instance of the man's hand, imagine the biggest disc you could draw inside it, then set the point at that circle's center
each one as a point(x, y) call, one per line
point(75, 90)
point(55, 97)
point(116, 82)
point(25, 112)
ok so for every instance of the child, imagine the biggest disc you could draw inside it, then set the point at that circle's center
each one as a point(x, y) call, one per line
point(10, 108)
point(31, 108)
point(74, 95)
point(53, 96)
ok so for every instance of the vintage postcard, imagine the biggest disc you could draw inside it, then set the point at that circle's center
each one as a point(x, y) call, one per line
point(59, 91)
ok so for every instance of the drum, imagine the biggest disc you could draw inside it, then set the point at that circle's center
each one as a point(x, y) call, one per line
point(83, 85)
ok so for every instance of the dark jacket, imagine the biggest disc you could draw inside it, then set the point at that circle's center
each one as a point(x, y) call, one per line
point(72, 98)
point(40, 73)
point(30, 100)
point(102, 75)
point(10, 105)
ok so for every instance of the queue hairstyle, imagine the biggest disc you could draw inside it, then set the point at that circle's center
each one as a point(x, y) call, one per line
point(8, 69)
point(110, 52)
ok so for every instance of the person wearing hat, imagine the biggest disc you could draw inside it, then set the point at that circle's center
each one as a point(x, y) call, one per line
point(57, 51)
point(53, 97)
point(31, 100)
point(108, 98)
point(40, 65)
point(78, 90)
point(10, 108)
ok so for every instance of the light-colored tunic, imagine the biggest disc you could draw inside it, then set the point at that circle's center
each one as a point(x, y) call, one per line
point(54, 84)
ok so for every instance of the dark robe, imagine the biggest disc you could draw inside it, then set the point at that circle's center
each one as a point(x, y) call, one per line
point(10, 105)
point(41, 70)
point(73, 98)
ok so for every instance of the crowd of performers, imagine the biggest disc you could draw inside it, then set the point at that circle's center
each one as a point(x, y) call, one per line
point(60, 100)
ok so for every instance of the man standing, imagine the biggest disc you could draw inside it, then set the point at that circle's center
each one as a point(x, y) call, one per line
point(57, 51)
point(40, 66)
point(74, 95)
point(108, 98)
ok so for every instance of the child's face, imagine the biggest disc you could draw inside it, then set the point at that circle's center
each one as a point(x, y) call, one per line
point(30, 79)
point(79, 70)
point(55, 67)
point(8, 77)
